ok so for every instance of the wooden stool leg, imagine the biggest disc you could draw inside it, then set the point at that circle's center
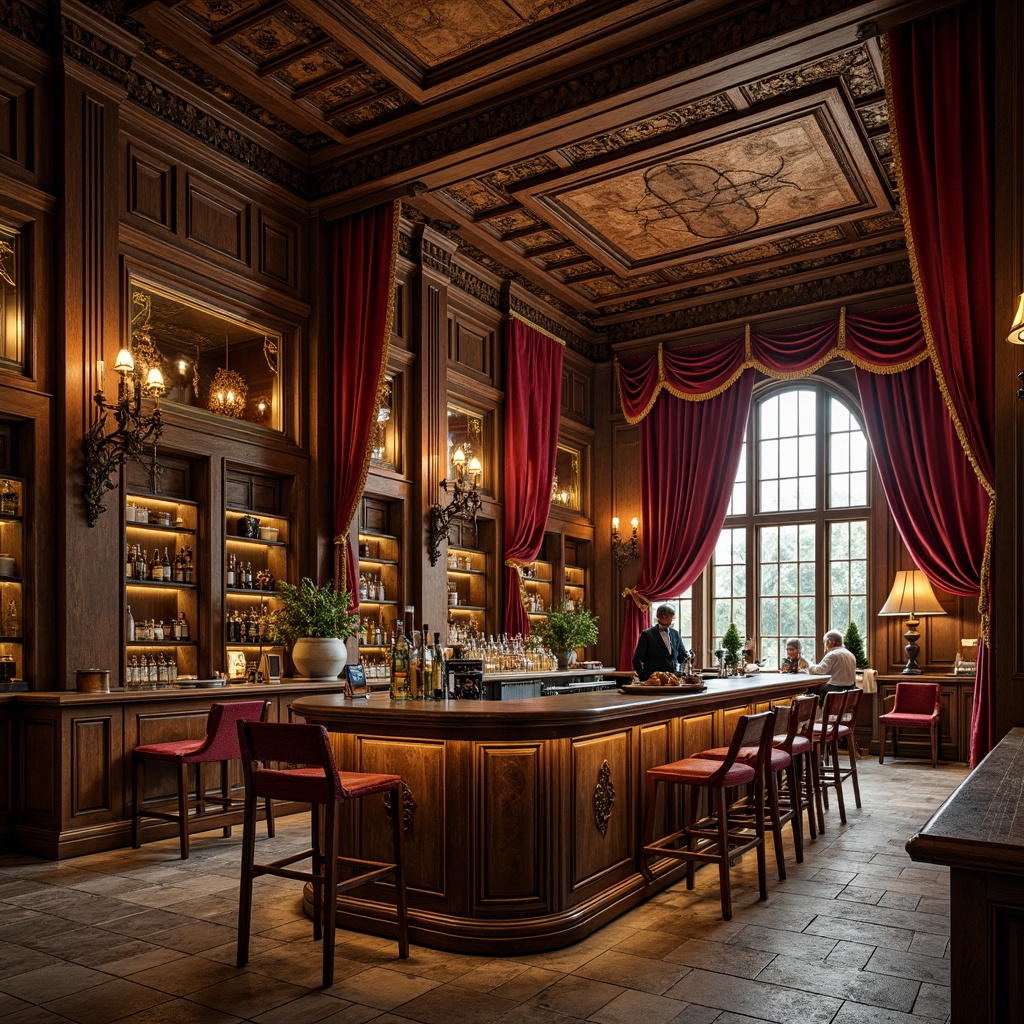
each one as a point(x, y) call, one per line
point(138, 779)
point(762, 870)
point(330, 856)
point(268, 805)
point(805, 776)
point(401, 897)
point(793, 781)
point(723, 849)
point(183, 808)
point(691, 801)
point(935, 745)
point(245, 884)
point(646, 834)
point(317, 869)
point(225, 793)
point(851, 744)
point(881, 744)
point(818, 787)
point(837, 777)
point(774, 817)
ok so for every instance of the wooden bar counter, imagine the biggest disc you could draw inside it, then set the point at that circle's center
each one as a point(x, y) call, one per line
point(521, 816)
point(65, 759)
point(979, 834)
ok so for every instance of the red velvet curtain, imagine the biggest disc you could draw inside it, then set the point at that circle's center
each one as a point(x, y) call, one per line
point(941, 92)
point(363, 249)
point(689, 454)
point(533, 398)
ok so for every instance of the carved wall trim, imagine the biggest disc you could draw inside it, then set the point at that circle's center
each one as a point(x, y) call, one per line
point(604, 797)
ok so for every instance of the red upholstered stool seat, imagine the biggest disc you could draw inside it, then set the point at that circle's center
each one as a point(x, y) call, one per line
point(219, 745)
point(916, 706)
point(312, 777)
point(716, 838)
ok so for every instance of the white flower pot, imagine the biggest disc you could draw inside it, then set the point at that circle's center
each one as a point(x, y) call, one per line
point(319, 657)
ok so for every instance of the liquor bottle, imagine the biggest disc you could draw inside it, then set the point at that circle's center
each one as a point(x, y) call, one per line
point(437, 685)
point(426, 666)
point(179, 566)
point(11, 626)
point(416, 667)
point(184, 627)
point(156, 567)
point(168, 573)
point(140, 564)
point(131, 624)
point(231, 570)
point(190, 571)
point(399, 665)
point(129, 563)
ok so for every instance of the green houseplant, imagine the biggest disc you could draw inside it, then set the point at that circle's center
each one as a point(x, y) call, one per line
point(732, 644)
point(314, 621)
point(566, 628)
point(854, 643)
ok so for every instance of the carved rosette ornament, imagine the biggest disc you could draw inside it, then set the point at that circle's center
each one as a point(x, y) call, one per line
point(408, 807)
point(604, 797)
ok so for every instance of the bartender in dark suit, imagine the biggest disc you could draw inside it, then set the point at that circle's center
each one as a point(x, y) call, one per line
point(659, 648)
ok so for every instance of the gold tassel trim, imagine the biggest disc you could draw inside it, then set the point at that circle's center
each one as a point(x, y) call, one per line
point(537, 328)
point(638, 599)
point(515, 563)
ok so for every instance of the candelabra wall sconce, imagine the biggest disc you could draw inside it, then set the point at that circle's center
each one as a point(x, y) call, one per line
point(1016, 337)
point(465, 503)
point(624, 551)
point(105, 453)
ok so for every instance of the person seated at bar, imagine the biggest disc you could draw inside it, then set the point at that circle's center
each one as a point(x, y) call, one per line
point(837, 662)
point(793, 661)
point(660, 647)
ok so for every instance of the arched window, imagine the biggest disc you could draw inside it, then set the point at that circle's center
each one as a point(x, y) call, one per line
point(792, 558)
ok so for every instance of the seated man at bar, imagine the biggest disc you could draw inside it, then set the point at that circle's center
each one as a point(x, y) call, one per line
point(794, 660)
point(660, 647)
point(837, 662)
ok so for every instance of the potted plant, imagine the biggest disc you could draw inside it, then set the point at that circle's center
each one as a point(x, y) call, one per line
point(566, 628)
point(854, 643)
point(732, 644)
point(314, 622)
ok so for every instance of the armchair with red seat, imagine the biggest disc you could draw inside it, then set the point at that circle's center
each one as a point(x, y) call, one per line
point(916, 706)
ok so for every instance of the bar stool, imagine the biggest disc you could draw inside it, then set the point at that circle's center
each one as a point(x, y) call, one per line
point(220, 744)
point(826, 743)
point(319, 783)
point(798, 741)
point(714, 839)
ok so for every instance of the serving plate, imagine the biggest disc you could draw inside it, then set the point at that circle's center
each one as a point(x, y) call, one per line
point(649, 688)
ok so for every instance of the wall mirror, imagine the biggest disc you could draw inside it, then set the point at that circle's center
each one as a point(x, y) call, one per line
point(565, 487)
point(12, 342)
point(209, 360)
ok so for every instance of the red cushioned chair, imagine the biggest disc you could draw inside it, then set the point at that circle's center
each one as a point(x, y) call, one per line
point(220, 744)
point(715, 839)
point(916, 706)
point(318, 782)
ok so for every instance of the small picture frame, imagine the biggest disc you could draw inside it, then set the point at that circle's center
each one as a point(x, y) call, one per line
point(355, 681)
point(270, 668)
point(236, 664)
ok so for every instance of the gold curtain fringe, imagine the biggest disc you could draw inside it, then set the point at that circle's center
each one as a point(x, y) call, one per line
point(515, 563)
point(986, 568)
point(638, 599)
point(537, 328)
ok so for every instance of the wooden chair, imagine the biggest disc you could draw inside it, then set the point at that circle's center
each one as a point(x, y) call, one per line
point(715, 838)
point(312, 777)
point(836, 712)
point(220, 744)
point(915, 706)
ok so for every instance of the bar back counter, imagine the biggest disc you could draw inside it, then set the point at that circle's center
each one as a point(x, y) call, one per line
point(521, 816)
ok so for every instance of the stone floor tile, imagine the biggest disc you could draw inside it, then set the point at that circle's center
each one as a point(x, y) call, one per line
point(910, 965)
point(307, 1009)
point(181, 1011)
point(899, 900)
point(850, 954)
point(722, 958)
point(18, 959)
point(575, 997)
point(247, 994)
point(630, 1007)
point(855, 1013)
point(451, 1005)
point(107, 1002)
point(932, 1001)
point(755, 999)
point(52, 982)
point(861, 931)
point(645, 942)
point(776, 940)
point(184, 975)
point(929, 945)
point(528, 984)
point(634, 972)
point(353, 1013)
point(842, 982)
point(379, 987)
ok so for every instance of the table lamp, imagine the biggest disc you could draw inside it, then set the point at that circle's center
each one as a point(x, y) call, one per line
point(911, 596)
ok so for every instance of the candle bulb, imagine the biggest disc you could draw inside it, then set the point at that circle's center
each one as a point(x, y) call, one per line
point(615, 524)
point(99, 374)
point(634, 522)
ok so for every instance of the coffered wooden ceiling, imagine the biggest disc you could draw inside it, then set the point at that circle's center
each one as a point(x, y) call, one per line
point(644, 167)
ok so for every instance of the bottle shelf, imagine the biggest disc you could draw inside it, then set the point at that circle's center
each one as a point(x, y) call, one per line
point(367, 600)
point(11, 579)
point(159, 585)
point(369, 560)
point(467, 608)
point(251, 592)
point(466, 572)
point(7, 518)
point(257, 541)
point(160, 528)
point(10, 639)
point(162, 643)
